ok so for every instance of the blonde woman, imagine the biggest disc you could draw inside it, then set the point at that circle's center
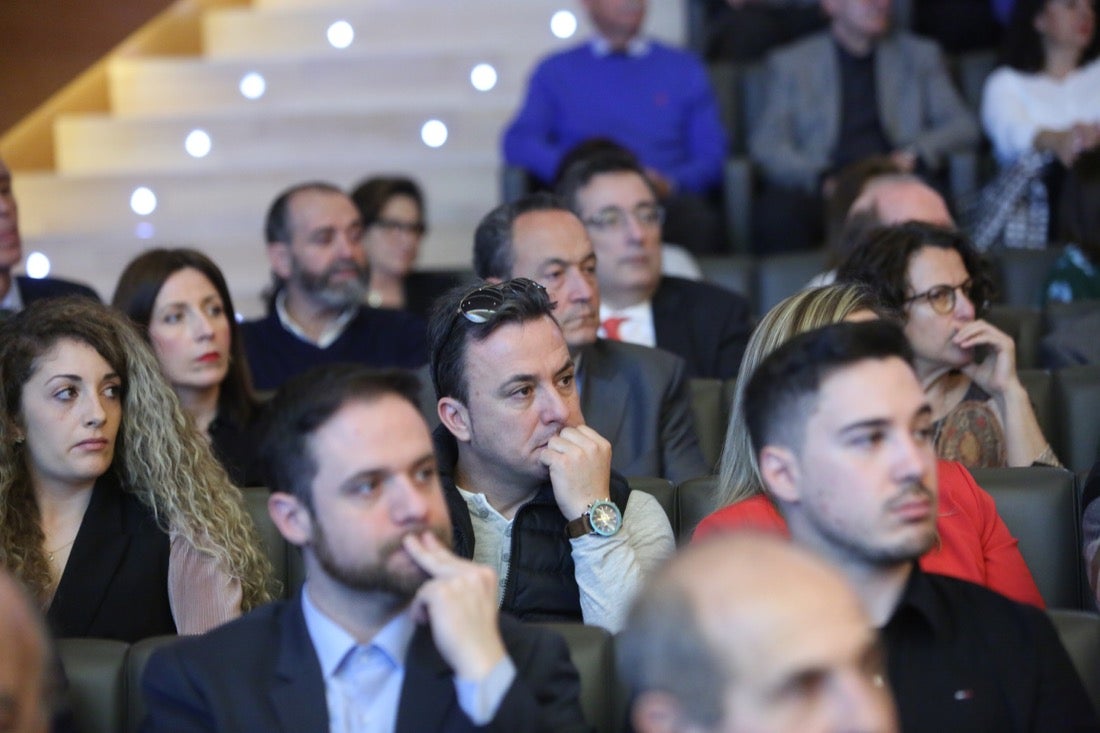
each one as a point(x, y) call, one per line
point(113, 511)
point(974, 543)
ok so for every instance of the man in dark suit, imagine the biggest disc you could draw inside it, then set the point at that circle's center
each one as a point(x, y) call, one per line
point(634, 396)
point(391, 628)
point(19, 291)
point(706, 325)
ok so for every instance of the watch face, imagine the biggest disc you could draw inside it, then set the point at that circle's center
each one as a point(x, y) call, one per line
point(605, 518)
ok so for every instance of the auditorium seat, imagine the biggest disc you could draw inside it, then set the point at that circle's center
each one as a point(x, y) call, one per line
point(1019, 274)
point(1024, 325)
point(778, 276)
point(275, 547)
point(592, 650)
point(1077, 407)
point(1080, 635)
point(1039, 384)
point(135, 666)
point(1041, 508)
point(736, 273)
point(96, 669)
point(711, 416)
point(695, 499)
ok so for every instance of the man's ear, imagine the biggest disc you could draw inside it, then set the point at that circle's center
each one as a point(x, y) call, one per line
point(656, 711)
point(781, 473)
point(456, 417)
point(291, 518)
point(278, 255)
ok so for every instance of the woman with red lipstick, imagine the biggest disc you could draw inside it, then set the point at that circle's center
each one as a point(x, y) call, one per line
point(181, 303)
point(116, 517)
point(1041, 108)
point(932, 281)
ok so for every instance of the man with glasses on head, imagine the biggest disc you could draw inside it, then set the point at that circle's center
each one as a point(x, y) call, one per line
point(315, 247)
point(529, 486)
point(706, 325)
point(934, 282)
point(634, 396)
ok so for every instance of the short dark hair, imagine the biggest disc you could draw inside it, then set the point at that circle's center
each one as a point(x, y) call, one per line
point(783, 385)
point(277, 221)
point(372, 195)
point(305, 403)
point(603, 156)
point(137, 291)
point(881, 261)
point(1022, 47)
point(493, 254)
point(449, 331)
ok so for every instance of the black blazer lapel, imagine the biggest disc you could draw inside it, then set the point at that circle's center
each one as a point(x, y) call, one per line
point(298, 690)
point(428, 696)
point(601, 387)
point(94, 560)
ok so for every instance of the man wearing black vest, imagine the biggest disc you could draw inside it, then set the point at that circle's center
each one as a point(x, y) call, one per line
point(529, 486)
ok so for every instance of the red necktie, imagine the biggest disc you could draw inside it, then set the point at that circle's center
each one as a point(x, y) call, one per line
point(611, 327)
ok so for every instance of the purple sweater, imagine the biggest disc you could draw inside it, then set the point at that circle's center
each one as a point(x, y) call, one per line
point(660, 105)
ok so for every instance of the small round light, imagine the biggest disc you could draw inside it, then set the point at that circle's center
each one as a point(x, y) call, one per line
point(563, 24)
point(433, 133)
point(145, 230)
point(252, 85)
point(38, 265)
point(143, 201)
point(340, 34)
point(197, 144)
point(483, 77)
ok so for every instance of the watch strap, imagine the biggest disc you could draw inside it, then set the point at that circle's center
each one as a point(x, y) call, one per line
point(580, 526)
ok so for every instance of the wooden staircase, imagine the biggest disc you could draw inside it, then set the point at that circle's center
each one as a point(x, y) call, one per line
point(327, 113)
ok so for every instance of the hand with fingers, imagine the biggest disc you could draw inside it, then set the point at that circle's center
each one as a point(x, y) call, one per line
point(459, 602)
point(579, 460)
point(997, 371)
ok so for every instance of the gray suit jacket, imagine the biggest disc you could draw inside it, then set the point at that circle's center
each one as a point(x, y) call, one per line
point(638, 398)
point(918, 107)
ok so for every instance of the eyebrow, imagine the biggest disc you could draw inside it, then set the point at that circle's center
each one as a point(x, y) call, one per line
point(881, 422)
point(526, 378)
point(78, 378)
point(374, 473)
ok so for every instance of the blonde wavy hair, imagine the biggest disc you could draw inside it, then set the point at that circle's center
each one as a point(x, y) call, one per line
point(159, 456)
point(738, 472)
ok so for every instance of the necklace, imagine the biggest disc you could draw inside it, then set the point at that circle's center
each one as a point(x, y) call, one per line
point(51, 553)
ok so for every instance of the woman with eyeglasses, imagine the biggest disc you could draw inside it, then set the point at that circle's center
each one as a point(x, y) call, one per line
point(392, 208)
point(932, 280)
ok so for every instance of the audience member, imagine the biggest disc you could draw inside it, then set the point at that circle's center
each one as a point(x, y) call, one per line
point(889, 198)
point(181, 304)
point(837, 418)
point(974, 544)
point(634, 396)
point(1075, 276)
point(703, 323)
point(17, 291)
point(853, 91)
point(25, 670)
point(391, 631)
point(931, 280)
point(117, 516)
point(651, 98)
point(747, 634)
point(392, 209)
point(315, 247)
point(529, 485)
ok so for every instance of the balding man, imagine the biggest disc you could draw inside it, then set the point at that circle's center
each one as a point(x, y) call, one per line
point(749, 633)
point(24, 666)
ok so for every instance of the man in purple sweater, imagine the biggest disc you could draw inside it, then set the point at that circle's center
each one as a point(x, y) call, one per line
point(649, 97)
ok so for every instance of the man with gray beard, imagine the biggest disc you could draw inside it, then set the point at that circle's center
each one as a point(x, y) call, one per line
point(315, 247)
point(844, 439)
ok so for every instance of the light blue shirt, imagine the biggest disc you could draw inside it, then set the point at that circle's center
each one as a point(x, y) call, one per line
point(363, 682)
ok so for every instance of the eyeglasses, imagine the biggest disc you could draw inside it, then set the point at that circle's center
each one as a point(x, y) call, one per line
point(942, 298)
point(393, 225)
point(646, 215)
point(482, 304)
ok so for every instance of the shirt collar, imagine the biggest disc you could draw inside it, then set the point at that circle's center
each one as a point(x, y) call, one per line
point(920, 602)
point(332, 331)
point(333, 643)
point(637, 47)
point(13, 301)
